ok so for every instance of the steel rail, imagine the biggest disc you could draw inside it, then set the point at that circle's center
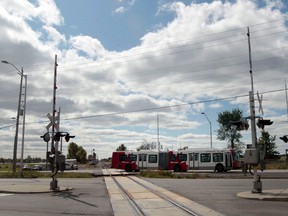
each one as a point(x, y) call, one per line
point(185, 209)
point(130, 198)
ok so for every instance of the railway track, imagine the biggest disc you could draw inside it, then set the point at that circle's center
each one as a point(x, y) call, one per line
point(131, 195)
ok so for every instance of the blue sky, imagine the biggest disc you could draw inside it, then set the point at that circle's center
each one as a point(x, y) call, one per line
point(119, 25)
point(118, 57)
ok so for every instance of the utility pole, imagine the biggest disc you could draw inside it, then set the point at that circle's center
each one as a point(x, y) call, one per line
point(158, 142)
point(21, 73)
point(54, 145)
point(286, 98)
point(23, 128)
point(257, 184)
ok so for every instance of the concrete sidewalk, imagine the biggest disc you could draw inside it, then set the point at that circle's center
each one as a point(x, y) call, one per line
point(266, 195)
point(29, 188)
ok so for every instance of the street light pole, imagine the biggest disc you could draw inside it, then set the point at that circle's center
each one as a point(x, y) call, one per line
point(18, 114)
point(203, 113)
point(23, 127)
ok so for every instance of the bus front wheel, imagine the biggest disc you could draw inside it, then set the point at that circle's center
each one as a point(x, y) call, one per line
point(177, 168)
point(128, 168)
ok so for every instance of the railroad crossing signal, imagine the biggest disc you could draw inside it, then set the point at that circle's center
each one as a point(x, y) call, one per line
point(240, 125)
point(46, 137)
point(67, 137)
point(262, 122)
point(57, 136)
point(284, 138)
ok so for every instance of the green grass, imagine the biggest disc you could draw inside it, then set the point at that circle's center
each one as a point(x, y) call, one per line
point(279, 165)
point(168, 174)
point(35, 174)
point(5, 167)
point(6, 172)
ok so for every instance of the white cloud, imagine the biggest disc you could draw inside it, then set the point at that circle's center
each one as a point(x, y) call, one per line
point(199, 56)
point(91, 46)
point(120, 10)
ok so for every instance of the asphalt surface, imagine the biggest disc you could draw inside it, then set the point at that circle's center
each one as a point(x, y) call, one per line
point(27, 186)
point(39, 186)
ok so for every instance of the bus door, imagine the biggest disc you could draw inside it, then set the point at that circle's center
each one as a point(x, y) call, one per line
point(193, 161)
point(164, 161)
point(228, 160)
point(142, 162)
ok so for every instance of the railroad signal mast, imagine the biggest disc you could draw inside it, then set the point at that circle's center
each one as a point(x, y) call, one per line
point(252, 155)
point(55, 157)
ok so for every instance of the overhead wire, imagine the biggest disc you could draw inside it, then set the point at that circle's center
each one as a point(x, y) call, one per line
point(211, 45)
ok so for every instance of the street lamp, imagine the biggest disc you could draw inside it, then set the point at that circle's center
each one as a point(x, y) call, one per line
point(203, 113)
point(18, 114)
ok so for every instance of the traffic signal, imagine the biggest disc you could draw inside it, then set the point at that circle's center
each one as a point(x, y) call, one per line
point(240, 125)
point(284, 138)
point(262, 122)
point(67, 137)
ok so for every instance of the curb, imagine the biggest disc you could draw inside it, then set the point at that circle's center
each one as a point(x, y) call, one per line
point(267, 195)
point(31, 189)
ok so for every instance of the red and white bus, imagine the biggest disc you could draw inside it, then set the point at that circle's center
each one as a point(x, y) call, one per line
point(207, 159)
point(236, 164)
point(145, 159)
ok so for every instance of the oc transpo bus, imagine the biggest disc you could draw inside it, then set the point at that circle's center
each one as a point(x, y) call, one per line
point(146, 159)
point(207, 159)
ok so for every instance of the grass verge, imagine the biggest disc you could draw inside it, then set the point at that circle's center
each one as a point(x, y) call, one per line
point(168, 174)
point(35, 174)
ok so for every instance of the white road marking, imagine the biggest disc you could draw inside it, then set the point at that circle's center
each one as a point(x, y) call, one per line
point(4, 194)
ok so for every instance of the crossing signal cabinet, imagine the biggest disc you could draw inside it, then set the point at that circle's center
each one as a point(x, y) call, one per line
point(252, 156)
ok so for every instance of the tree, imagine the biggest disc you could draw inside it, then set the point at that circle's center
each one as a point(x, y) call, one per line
point(77, 152)
point(147, 146)
point(268, 142)
point(122, 147)
point(72, 150)
point(81, 155)
point(227, 131)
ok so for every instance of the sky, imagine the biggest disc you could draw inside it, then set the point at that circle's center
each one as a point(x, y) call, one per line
point(123, 64)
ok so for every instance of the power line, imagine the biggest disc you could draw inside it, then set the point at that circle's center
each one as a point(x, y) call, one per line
point(152, 108)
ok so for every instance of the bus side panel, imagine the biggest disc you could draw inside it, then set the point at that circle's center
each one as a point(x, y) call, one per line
point(163, 161)
point(116, 163)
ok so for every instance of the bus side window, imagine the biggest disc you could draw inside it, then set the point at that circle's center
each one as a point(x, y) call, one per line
point(173, 157)
point(218, 157)
point(152, 159)
point(122, 157)
point(133, 157)
point(183, 157)
point(205, 157)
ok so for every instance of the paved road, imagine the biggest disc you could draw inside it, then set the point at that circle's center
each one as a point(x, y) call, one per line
point(88, 197)
point(220, 195)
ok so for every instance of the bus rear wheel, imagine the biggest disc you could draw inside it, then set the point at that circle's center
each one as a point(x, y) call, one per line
point(219, 168)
